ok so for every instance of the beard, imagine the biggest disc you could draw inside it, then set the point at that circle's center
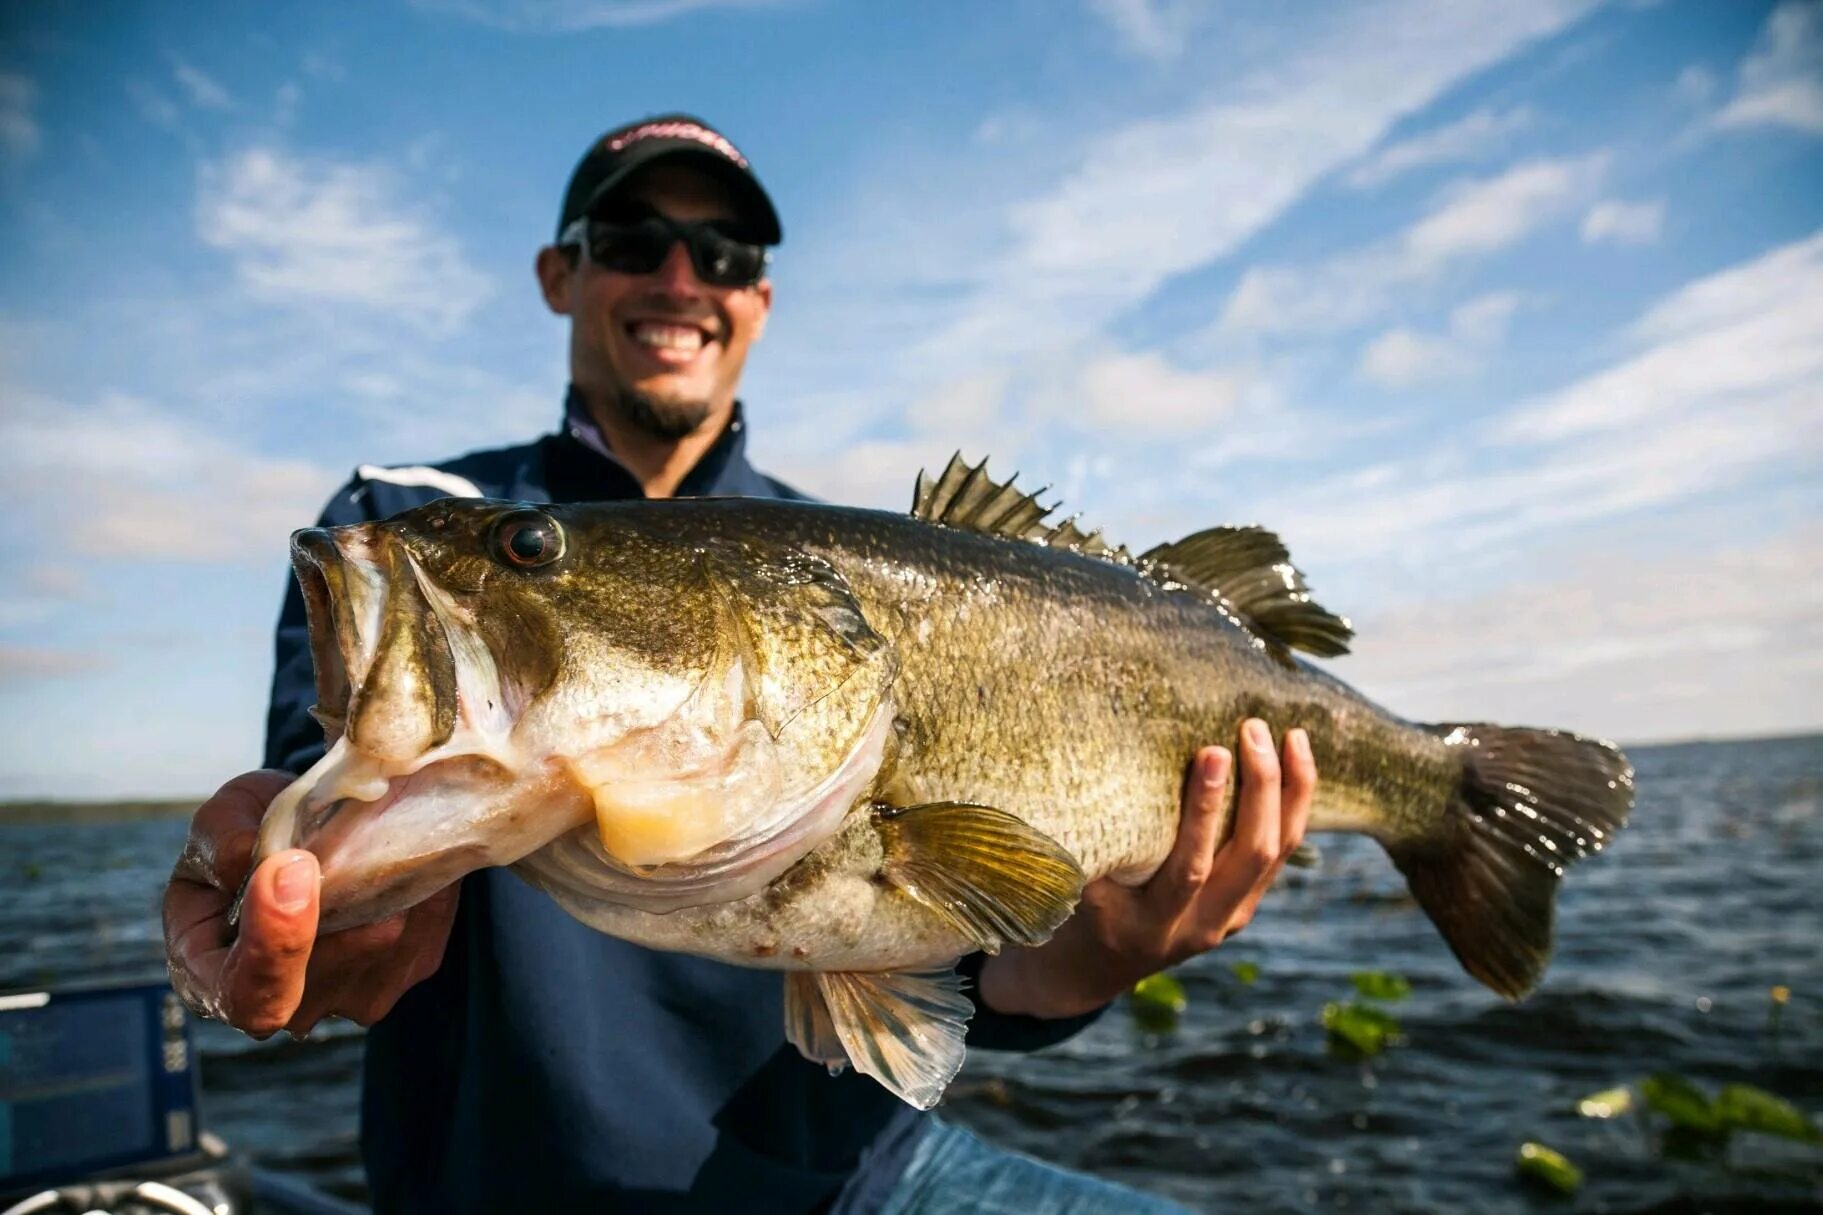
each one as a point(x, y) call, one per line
point(662, 418)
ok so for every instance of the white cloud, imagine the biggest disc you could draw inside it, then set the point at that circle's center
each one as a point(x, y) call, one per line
point(535, 16)
point(1751, 333)
point(1150, 29)
point(19, 134)
point(1471, 219)
point(1781, 81)
point(1695, 84)
point(154, 106)
point(1145, 393)
point(203, 92)
point(1605, 644)
point(1480, 217)
point(1402, 357)
point(124, 478)
point(1623, 223)
point(1162, 196)
point(1472, 136)
point(305, 232)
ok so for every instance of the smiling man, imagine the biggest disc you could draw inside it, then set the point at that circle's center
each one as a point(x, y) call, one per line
point(520, 1061)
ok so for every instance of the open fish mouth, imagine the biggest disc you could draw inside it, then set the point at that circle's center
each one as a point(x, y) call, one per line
point(412, 792)
point(328, 612)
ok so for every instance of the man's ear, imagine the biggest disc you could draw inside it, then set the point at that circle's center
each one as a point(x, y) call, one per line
point(553, 268)
point(764, 287)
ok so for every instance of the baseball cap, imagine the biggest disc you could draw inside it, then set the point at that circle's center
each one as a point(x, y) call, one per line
point(678, 138)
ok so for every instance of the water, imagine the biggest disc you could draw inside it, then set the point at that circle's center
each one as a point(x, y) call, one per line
point(1668, 948)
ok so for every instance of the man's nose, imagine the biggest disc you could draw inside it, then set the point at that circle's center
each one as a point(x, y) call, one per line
point(676, 273)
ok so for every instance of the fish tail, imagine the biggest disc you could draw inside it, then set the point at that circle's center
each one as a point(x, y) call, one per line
point(1527, 804)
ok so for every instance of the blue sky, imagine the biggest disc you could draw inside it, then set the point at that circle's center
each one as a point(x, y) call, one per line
point(1509, 317)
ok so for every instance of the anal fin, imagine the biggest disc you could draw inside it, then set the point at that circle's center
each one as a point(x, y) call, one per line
point(905, 1029)
point(989, 874)
point(807, 1023)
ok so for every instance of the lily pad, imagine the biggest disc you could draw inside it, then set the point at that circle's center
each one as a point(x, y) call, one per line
point(1609, 1103)
point(1381, 985)
point(1360, 1027)
point(1685, 1104)
point(1247, 972)
point(1551, 1169)
point(1746, 1108)
point(1157, 1001)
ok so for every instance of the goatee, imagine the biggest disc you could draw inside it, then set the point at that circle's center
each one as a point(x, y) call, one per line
point(669, 420)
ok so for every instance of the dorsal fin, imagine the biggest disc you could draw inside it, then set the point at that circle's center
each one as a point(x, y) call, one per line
point(1251, 571)
point(1245, 569)
point(965, 497)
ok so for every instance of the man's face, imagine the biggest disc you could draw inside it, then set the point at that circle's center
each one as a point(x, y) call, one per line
point(665, 349)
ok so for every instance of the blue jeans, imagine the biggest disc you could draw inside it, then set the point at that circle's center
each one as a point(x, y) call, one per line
point(953, 1172)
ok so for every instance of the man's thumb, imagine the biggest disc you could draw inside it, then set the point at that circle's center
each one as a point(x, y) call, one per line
point(278, 927)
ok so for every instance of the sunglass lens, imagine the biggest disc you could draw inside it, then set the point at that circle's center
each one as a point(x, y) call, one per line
point(630, 248)
point(721, 259)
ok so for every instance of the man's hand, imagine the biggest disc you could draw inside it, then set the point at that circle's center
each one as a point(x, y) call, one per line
point(276, 974)
point(1199, 897)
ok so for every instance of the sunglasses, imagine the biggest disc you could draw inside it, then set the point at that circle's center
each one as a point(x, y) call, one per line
point(641, 246)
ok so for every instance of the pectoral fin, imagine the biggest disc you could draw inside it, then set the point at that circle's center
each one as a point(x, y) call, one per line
point(987, 873)
point(903, 1029)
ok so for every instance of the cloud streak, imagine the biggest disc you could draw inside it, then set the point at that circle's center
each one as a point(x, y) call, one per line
point(1781, 81)
point(301, 232)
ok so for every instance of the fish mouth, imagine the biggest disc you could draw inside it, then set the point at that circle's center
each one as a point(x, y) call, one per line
point(329, 616)
point(416, 787)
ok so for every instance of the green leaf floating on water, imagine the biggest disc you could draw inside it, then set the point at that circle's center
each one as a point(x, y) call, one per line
point(1157, 1001)
point(1609, 1103)
point(1744, 1107)
point(1381, 985)
point(1539, 1163)
point(1247, 972)
point(1361, 1027)
point(1681, 1101)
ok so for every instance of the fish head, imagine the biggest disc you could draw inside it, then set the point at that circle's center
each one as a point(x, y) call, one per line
point(492, 677)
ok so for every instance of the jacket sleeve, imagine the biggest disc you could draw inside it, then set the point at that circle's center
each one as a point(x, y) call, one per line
point(1008, 1031)
point(294, 740)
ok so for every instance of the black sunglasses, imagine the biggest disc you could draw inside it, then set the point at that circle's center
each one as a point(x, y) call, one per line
point(640, 247)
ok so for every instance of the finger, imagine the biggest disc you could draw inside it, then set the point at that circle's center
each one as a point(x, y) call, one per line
point(263, 980)
point(225, 828)
point(1254, 846)
point(1192, 857)
point(1298, 792)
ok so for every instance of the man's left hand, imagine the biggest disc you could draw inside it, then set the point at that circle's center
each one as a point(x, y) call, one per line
point(1205, 892)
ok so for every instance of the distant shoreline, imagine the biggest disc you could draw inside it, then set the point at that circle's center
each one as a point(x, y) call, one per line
point(47, 811)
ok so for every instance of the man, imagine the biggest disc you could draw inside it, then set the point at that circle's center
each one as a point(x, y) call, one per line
point(520, 1061)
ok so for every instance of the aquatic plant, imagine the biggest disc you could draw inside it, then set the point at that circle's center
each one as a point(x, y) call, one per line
point(1157, 1001)
point(1546, 1167)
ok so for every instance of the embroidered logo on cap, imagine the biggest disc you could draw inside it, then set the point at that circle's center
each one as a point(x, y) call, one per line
point(678, 130)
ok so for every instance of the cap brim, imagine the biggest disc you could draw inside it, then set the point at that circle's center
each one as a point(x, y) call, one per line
point(750, 197)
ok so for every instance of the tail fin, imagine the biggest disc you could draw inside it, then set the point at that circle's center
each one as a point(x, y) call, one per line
point(1529, 803)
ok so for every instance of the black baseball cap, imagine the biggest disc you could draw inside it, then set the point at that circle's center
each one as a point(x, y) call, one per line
point(677, 138)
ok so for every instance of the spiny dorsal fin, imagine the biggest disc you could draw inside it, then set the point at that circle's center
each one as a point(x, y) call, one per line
point(966, 498)
point(1246, 569)
point(1249, 569)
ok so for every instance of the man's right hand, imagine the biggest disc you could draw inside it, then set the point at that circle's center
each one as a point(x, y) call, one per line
point(275, 973)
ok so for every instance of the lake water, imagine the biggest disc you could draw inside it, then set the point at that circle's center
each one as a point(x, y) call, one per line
point(1668, 949)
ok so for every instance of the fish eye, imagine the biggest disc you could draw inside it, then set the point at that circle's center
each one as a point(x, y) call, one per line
point(528, 539)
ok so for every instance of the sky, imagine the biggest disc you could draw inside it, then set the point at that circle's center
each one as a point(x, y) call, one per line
point(1507, 317)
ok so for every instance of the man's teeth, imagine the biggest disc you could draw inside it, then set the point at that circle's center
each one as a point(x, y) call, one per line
point(668, 337)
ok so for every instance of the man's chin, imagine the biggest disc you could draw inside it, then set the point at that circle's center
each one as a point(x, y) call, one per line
point(668, 415)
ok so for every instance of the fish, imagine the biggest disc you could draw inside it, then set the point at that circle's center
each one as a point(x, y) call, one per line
point(855, 745)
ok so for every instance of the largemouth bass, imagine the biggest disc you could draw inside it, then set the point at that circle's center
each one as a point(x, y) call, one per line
point(854, 746)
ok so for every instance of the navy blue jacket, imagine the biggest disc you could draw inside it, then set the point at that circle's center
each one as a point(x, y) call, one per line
point(546, 1066)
